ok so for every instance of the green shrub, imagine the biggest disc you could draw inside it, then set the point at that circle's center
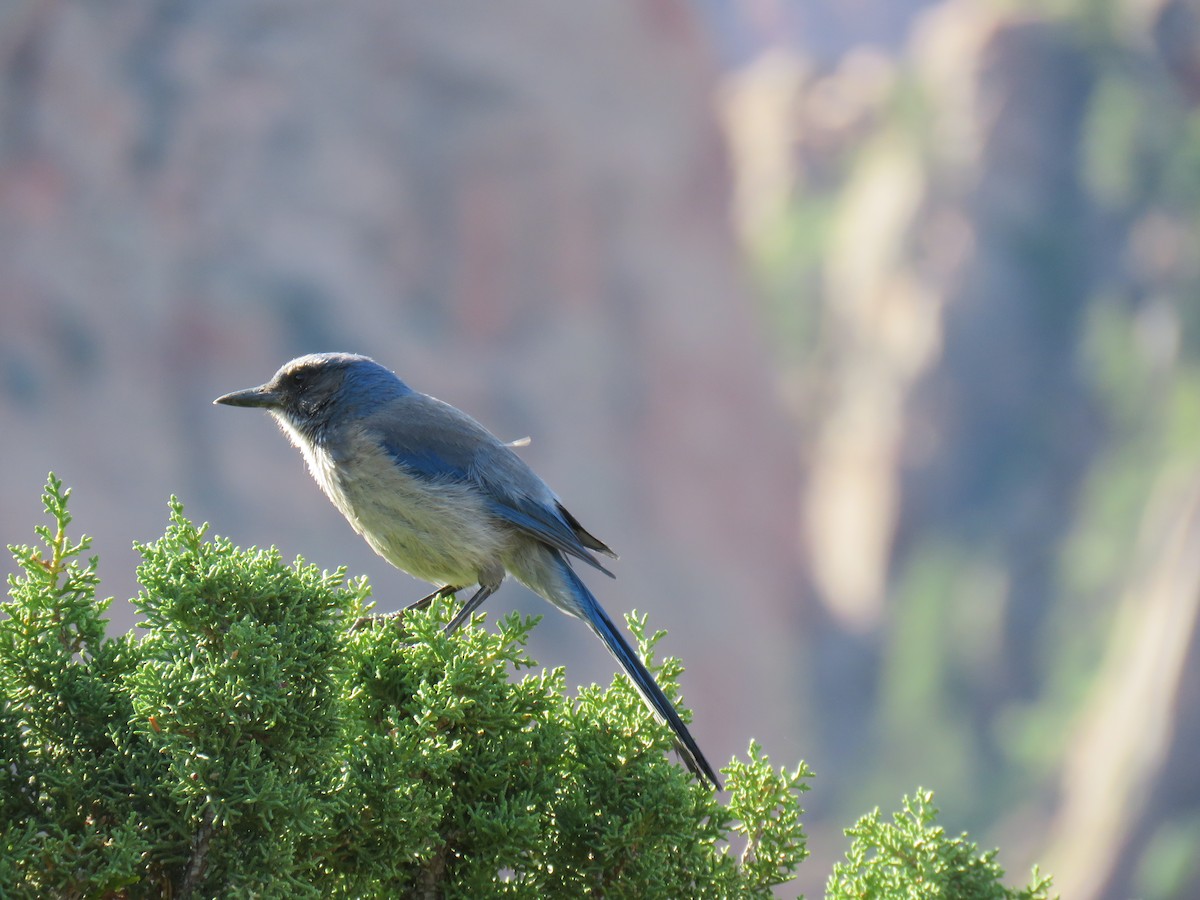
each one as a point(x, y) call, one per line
point(914, 858)
point(252, 742)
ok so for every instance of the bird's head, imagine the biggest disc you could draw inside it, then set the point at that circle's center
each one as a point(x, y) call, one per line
point(311, 391)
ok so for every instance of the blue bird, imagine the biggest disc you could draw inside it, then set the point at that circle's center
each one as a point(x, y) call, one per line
point(439, 496)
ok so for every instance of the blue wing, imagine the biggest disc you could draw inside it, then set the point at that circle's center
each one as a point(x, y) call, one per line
point(435, 441)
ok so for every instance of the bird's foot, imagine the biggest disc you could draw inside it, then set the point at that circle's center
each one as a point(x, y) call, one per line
point(423, 603)
point(376, 619)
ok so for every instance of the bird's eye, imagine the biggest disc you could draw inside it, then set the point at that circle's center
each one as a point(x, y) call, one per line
point(297, 379)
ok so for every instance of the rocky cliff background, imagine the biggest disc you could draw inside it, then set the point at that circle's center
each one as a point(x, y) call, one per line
point(866, 333)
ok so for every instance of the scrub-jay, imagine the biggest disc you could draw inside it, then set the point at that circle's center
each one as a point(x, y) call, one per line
point(437, 495)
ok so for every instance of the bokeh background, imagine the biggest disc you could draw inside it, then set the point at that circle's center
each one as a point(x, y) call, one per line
point(867, 332)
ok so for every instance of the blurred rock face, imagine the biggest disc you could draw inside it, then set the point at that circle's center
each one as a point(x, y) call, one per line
point(1000, 430)
point(953, 286)
point(1001, 282)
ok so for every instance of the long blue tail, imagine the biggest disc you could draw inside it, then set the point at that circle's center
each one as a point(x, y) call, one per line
point(594, 614)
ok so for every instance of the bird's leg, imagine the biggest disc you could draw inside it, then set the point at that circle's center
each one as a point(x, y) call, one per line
point(446, 590)
point(441, 593)
point(485, 591)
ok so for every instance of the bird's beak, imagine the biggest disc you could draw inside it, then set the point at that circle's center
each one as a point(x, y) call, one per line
point(258, 396)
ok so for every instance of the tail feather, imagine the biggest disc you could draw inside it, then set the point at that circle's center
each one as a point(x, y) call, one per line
point(652, 694)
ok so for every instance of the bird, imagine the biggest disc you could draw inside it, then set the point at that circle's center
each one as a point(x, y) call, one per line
point(439, 496)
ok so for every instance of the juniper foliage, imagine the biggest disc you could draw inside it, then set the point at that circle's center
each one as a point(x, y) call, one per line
point(250, 741)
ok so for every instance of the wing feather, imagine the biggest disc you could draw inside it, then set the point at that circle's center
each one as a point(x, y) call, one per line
point(435, 441)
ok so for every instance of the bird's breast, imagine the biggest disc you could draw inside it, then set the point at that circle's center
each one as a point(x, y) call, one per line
point(437, 530)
